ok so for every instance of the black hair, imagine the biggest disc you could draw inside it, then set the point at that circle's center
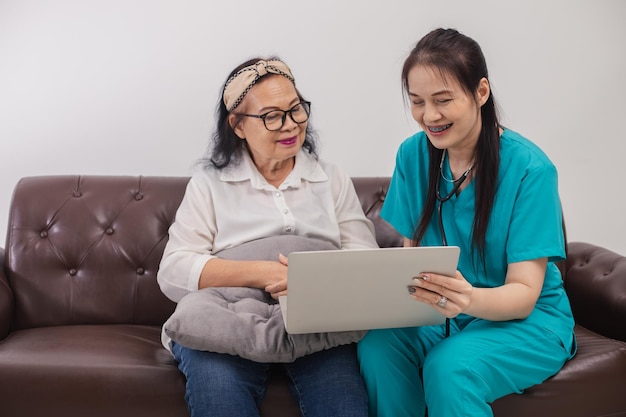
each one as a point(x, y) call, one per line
point(458, 56)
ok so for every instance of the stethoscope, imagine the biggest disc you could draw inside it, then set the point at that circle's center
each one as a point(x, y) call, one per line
point(457, 184)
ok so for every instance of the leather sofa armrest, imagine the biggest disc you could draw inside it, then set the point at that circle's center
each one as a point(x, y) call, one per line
point(6, 299)
point(595, 281)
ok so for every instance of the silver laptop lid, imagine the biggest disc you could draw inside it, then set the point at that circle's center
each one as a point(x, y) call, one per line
point(361, 289)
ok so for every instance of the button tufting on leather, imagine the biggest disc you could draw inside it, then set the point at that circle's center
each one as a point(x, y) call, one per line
point(138, 196)
point(77, 194)
point(140, 271)
point(43, 234)
point(109, 231)
point(72, 272)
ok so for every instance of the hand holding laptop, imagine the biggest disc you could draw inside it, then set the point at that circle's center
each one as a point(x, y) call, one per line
point(361, 289)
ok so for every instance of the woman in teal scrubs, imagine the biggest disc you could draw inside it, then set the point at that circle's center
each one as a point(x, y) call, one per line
point(465, 180)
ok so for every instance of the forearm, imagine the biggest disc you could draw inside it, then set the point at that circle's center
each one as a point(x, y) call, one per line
point(507, 302)
point(231, 273)
point(515, 299)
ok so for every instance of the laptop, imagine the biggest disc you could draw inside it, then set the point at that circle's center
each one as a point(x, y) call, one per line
point(361, 289)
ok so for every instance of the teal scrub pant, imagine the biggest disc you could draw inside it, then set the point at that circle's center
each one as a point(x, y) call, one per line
point(409, 370)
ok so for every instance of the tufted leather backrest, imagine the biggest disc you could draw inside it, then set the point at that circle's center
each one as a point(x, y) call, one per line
point(86, 249)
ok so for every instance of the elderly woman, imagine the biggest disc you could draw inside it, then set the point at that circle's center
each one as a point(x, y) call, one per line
point(262, 178)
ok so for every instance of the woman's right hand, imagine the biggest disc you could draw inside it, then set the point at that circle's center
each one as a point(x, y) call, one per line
point(278, 285)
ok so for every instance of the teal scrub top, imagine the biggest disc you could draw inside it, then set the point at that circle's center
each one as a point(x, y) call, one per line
point(525, 222)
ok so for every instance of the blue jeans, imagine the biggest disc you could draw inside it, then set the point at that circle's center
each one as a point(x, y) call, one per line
point(324, 384)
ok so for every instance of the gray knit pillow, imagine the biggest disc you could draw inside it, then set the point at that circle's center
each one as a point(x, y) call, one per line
point(246, 321)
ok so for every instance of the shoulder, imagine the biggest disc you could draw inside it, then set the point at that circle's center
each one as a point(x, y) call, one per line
point(330, 168)
point(413, 146)
point(412, 158)
point(516, 151)
point(514, 145)
point(331, 180)
point(205, 174)
point(337, 179)
point(314, 170)
point(203, 179)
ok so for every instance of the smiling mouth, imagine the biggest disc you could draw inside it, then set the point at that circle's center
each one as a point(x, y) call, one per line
point(439, 129)
point(288, 141)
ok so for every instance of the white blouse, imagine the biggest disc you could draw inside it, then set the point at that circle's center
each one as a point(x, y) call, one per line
point(224, 208)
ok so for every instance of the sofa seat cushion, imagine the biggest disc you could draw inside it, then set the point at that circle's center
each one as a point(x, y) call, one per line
point(90, 370)
point(599, 362)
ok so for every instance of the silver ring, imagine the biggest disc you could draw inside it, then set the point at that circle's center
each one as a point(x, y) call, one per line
point(442, 302)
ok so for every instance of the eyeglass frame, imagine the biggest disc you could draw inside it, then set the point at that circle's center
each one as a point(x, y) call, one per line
point(305, 104)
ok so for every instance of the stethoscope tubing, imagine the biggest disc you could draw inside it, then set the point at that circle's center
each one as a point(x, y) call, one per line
point(441, 200)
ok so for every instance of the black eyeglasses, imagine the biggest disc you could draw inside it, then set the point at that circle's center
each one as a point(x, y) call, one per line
point(275, 119)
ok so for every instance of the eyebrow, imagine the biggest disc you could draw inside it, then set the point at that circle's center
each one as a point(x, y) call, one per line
point(438, 93)
point(271, 108)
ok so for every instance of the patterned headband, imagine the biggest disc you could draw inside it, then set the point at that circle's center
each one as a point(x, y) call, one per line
point(239, 84)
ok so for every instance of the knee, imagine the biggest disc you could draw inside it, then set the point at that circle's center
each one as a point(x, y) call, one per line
point(372, 340)
point(337, 365)
point(374, 346)
point(386, 350)
point(444, 362)
point(379, 340)
point(215, 370)
point(447, 368)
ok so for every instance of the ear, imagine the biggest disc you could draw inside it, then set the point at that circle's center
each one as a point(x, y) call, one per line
point(232, 121)
point(483, 91)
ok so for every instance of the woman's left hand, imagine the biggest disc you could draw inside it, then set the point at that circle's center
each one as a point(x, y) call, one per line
point(449, 295)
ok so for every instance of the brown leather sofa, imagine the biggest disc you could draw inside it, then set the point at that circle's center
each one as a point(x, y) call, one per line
point(81, 312)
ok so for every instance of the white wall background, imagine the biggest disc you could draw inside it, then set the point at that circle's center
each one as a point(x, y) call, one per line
point(130, 86)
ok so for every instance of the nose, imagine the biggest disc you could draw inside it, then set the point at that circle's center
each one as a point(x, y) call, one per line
point(288, 122)
point(431, 114)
